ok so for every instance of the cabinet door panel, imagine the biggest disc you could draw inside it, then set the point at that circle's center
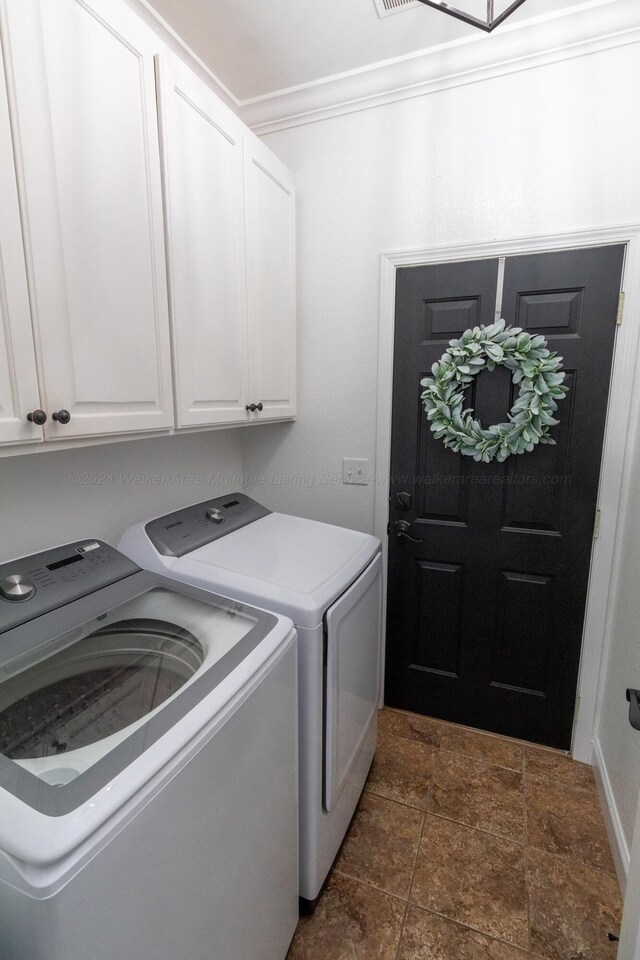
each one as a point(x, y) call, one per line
point(270, 238)
point(18, 378)
point(202, 154)
point(85, 94)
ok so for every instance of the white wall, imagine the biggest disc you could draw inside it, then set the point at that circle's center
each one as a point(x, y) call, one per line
point(53, 497)
point(548, 150)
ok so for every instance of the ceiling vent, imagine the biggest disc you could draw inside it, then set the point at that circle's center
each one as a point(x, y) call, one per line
point(386, 7)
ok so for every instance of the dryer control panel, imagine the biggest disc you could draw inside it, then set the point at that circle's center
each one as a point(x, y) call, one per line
point(32, 586)
point(201, 523)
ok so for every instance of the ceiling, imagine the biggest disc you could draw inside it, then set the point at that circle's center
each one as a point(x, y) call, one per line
point(257, 47)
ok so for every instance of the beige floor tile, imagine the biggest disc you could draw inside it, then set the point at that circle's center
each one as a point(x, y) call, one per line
point(381, 845)
point(402, 770)
point(573, 909)
point(351, 922)
point(474, 878)
point(479, 795)
point(502, 753)
point(429, 937)
point(567, 821)
point(409, 726)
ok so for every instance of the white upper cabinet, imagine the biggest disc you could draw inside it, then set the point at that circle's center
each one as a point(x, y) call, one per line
point(146, 238)
point(230, 246)
point(270, 253)
point(18, 379)
point(83, 79)
point(202, 161)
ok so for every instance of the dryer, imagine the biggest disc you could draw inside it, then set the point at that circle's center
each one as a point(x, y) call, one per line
point(328, 580)
point(148, 766)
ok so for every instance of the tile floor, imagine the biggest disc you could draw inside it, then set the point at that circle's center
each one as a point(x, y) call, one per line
point(467, 846)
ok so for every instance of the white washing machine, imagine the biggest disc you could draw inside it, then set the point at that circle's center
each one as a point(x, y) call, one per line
point(148, 766)
point(328, 581)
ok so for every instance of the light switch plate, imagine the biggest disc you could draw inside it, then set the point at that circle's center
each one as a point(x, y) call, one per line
point(355, 471)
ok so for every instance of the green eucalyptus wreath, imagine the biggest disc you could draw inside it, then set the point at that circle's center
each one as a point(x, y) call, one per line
point(534, 367)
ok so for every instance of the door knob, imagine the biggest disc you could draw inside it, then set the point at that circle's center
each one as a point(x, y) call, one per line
point(62, 416)
point(38, 417)
point(402, 528)
point(633, 696)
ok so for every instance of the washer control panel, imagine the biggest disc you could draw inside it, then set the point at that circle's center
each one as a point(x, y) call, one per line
point(17, 587)
point(32, 586)
point(201, 523)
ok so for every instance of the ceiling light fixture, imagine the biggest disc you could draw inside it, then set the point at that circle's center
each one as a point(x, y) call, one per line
point(493, 19)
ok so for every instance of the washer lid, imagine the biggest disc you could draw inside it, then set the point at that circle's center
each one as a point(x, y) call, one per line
point(293, 566)
point(97, 697)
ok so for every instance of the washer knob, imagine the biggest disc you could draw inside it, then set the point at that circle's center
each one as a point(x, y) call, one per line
point(17, 587)
point(215, 515)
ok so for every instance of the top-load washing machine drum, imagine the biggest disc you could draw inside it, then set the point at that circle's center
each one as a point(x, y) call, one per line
point(94, 689)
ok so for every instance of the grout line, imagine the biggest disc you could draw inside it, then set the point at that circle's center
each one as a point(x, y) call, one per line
point(466, 926)
point(526, 856)
point(418, 848)
point(488, 763)
point(401, 803)
point(468, 826)
point(372, 886)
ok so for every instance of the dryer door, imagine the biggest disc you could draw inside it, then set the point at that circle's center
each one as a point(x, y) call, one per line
point(353, 635)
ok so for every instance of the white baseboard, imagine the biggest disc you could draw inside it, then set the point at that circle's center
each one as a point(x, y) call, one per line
point(619, 845)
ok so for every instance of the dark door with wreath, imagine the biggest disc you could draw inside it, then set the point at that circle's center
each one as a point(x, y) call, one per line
point(489, 562)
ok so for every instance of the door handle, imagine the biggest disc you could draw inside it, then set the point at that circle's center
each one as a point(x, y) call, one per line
point(633, 696)
point(402, 528)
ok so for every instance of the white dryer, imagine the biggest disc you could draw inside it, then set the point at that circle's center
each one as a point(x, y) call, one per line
point(148, 766)
point(328, 580)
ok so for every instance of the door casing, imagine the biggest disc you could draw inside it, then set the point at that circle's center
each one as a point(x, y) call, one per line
point(611, 494)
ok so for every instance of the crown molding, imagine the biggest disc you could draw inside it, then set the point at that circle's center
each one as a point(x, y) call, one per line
point(588, 28)
point(177, 45)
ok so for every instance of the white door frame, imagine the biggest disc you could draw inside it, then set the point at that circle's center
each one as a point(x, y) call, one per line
point(597, 619)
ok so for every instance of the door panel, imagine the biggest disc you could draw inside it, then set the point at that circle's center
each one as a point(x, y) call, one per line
point(202, 148)
point(18, 378)
point(270, 232)
point(85, 93)
point(486, 609)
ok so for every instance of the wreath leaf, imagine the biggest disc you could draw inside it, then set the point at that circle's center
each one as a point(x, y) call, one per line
point(534, 368)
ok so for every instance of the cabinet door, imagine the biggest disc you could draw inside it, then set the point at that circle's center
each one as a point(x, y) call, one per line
point(270, 242)
point(202, 159)
point(85, 97)
point(18, 379)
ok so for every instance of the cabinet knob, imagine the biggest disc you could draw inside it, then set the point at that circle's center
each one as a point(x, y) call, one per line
point(251, 408)
point(38, 417)
point(259, 406)
point(62, 416)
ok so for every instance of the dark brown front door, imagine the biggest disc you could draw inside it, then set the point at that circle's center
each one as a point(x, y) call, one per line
point(486, 610)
